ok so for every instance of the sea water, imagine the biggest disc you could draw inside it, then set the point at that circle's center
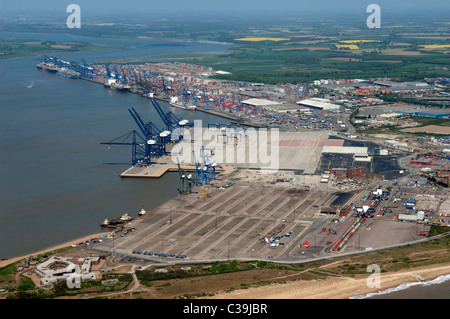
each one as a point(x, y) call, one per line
point(54, 185)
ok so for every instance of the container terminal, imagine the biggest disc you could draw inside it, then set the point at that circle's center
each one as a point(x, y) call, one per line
point(332, 192)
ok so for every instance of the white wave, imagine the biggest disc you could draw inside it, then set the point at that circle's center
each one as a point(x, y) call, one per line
point(436, 281)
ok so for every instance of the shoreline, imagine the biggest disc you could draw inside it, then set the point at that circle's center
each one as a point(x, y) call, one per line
point(336, 287)
point(328, 288)
point(6, 262)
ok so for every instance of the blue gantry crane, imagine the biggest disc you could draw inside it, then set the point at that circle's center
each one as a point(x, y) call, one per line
point(108, 72)
point(152, 141)
point(170, 120)
point(139, 149)
point(165, 89)
point(205, 171)
point(198, 174)
point(155, 137)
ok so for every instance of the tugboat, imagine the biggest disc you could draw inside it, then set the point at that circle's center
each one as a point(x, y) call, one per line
point(106, 223)
point(116, 221)
point(126, 218)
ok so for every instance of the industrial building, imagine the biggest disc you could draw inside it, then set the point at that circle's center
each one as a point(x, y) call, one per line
point(361, 151)
point(355, 171)
point(429, 112)
point(273, 106)
point(320, 104)
point(420, 216)
point(403, 85)
point(59, 268)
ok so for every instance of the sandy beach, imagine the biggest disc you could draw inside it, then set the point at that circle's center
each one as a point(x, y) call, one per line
point(334, 287)
point(4, 263)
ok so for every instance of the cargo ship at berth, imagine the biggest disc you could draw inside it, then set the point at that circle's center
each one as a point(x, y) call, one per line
point(48, 67)
point(69, 73)
point(175, 103)
point(113, 85)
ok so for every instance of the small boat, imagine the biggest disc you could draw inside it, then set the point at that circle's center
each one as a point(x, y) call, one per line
point(105, 223)
point(142, 212)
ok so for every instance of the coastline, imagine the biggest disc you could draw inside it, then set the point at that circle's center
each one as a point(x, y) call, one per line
point(335, 287)
point(327, 288)
point(6, 262)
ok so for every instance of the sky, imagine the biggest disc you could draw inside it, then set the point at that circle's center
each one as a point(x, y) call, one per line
point(151, 6)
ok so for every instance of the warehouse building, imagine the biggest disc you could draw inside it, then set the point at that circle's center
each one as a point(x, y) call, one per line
point(420, 216)
point(319, 104)
point(356, 150)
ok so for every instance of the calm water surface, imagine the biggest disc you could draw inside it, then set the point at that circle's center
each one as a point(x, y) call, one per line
point(54, 186)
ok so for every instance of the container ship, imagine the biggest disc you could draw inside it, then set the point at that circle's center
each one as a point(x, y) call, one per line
point(113, 85)
point(175, 103)
point(69, 73)
point(48, 67)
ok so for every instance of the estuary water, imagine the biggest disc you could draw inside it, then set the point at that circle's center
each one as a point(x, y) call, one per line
point(54, 185)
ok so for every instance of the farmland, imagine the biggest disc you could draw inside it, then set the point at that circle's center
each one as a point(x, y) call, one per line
point(286, 49)
point(292, 55)
point(10, 48)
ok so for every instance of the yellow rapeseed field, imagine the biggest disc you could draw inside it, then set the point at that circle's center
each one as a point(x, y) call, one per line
point(436, 46)
point(347, 46)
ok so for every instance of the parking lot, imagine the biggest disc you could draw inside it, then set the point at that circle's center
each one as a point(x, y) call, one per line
point(246, 221)
point(262, 220)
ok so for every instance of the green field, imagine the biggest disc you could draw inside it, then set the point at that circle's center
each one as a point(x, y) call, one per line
point(286, 48)
point(304, 59)
point(23, 48)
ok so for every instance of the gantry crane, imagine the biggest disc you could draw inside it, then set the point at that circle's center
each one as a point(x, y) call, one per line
point(170, 120)
point(151, 142)
point(139, 152)
point(152, 134)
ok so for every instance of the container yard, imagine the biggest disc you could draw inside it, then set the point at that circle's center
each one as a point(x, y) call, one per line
point(194, 86)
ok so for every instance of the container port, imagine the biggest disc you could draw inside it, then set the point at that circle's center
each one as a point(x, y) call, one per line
point(331, 192)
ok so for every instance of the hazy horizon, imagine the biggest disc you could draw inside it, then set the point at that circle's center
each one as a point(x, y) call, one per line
point(151, 7)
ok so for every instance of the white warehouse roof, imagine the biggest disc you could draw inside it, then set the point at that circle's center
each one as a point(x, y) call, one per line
point(361, 151)
point(317, 103)
point(260, 102)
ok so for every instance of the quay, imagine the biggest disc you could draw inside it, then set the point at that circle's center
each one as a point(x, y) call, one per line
point(158, 170)
point(161, 167)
